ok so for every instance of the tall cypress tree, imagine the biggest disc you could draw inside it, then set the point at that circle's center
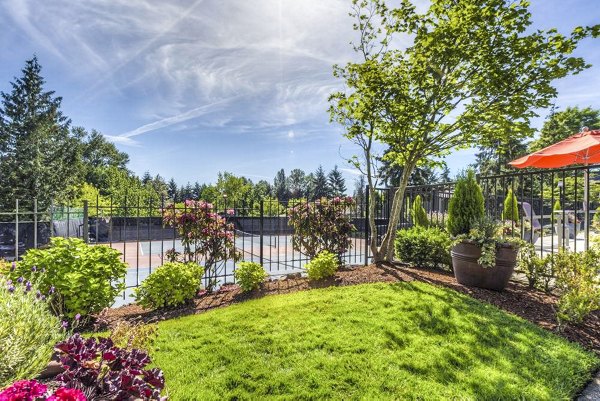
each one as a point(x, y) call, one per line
point(39, 156)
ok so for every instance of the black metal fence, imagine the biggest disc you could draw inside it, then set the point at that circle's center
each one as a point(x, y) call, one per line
point(557, 207)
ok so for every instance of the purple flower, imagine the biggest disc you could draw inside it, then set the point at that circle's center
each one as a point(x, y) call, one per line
point(9, 282)
point(65, 324)
point(11, 288)
point(20, 280)
point(34, 269)
point(77, 317)
point(38, 294)
point(28, 286)
point(52, 289)
point(13, 266)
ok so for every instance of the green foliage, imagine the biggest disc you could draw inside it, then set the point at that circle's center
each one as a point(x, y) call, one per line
point(422, 246)
point(578, 283)
point(324, 265)
point(466, 206)
point(511, 207)
point(28, 333)
point(560, 125)
point(337, 184)
point(416, 341)
point(323, 225)
point(418, 214)
point(172, 284)
point(132, 336)
point(250, 275)
point(399, 94)
point(556, 206)
point(320, 185)
point(538, 270)
point(85, 279)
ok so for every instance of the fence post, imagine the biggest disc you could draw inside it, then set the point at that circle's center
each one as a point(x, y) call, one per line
point(35, 223)
point(86, 228)
point(51, 219)
point(367, 225)
point(16, 229)
point(261, 229)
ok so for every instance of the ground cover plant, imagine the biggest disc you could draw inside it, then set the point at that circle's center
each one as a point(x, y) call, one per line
point(409, 340)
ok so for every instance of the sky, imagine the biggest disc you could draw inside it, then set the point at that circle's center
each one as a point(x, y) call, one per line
point(189, 88)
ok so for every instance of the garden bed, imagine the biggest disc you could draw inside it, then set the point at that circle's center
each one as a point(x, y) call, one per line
point(531, 305)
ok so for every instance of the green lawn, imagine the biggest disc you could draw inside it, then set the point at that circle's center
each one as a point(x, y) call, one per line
point(373, 341)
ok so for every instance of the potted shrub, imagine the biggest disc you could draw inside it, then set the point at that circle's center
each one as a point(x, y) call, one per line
point(480, 256)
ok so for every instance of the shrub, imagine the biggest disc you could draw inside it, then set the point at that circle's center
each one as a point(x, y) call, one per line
point(422, 246)
point(80, 278)
point(534, 267)
point(511, 207)
point(106, 372)
point(205, 236)
point(325, 264)
point(28, 332)
point(322, 226)
point(131, 336)
point(466, 205)
point(556, 206)
point(172, 284)
point(249, 275)
point(578, 283)
point(418, 213)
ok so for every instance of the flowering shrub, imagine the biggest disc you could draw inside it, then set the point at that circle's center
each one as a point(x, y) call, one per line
point(249, 275)
point(28, 331)
point(322, 226)
point(171, 284)
point(102, 371)
point(325, 264)
point(31, 390)
point(78, 278)
point(204, 234)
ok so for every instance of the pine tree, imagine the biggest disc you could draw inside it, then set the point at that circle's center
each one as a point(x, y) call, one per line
point(172, 190)
point(39, 156)
point(337, 184)
point(146, 178)
point(280, 187)
point(466, 206)
point(320, 184)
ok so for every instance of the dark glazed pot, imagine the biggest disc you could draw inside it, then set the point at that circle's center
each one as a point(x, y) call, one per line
point(470, 273)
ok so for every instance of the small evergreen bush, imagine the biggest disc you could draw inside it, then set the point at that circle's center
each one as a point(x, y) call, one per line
point(511, 207)
point(466, 205)
point(325, 264)
point(418, 213)
point(172, 284)
point(249, 275)
point(78, 278)
point(421, 246)
point(28, 332)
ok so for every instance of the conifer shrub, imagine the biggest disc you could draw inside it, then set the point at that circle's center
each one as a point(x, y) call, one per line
point(511, 207)
point(466, 206)
point(418, 213)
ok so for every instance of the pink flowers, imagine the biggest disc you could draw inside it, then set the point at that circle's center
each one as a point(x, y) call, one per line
point(32, 390)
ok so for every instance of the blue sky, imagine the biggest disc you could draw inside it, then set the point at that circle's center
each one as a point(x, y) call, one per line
point(190, 88)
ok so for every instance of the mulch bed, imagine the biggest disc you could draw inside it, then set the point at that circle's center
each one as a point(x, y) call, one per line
point(531, 305)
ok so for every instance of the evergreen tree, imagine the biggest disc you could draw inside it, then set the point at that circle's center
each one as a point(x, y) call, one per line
point(146, 178)
point(511, 207)
point(418, 213)
point(280, 187)
point(98, 153)
point(297, 183)
point(359, 193)
point(321, 186)
point(39, 156)
point(172, 190)
point(466, 206)
point(197, 193)
point(445, 175)
point(337, 183)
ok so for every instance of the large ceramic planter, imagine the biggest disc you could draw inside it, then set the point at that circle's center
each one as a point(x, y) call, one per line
point(470, 273)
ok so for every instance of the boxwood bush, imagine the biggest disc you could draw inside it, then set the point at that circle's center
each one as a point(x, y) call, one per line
point(171, 284)
point(28, 332)
point(423, 246)
point(325, 264)
point(249, 275)
point(78, 278)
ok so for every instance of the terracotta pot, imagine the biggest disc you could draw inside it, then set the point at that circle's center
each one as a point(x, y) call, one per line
point(470, 273)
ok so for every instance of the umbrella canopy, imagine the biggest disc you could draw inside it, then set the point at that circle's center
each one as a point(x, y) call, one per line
point(581, 148)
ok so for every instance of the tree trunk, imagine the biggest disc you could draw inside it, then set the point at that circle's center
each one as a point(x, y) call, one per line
point(385, 253)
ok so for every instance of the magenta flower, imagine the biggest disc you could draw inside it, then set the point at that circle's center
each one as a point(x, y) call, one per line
point(67, 394)
point(23, 390)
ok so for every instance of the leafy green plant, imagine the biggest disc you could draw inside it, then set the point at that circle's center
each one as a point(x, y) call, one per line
point(78, 278)
point(130, 336)
point(578, 284)
point(325, 264)
point(323, 225)
point(533, 266)
point(418, 213)
point(511, 207)
point(28, 332)
point(466, 206)
point(172, 284)
point(423, 246)
point(249, 275)
point(556, 206)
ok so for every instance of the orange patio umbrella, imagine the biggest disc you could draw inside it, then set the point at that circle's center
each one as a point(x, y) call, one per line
point(582, 148)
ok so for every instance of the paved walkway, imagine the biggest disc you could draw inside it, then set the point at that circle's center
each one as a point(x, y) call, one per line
point(592, 391)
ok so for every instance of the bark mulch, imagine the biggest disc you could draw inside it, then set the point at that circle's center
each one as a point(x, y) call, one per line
point(531, 305)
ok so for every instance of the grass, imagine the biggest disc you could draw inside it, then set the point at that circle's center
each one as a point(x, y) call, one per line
point(372, 341)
